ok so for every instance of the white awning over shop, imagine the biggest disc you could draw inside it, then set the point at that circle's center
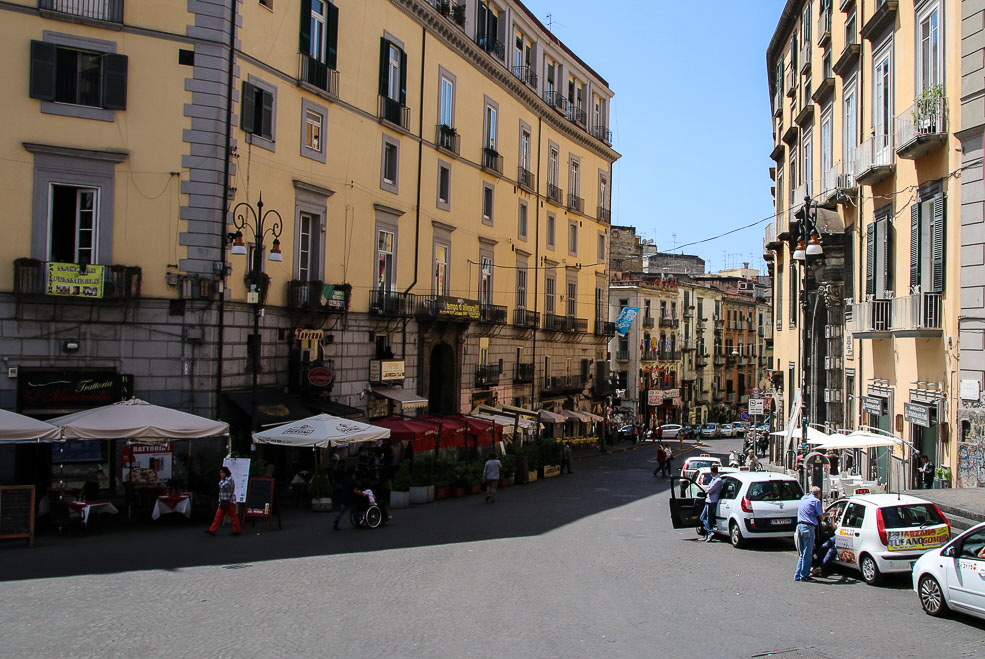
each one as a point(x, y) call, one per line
point(593, 417)
point(408, 399)
point(546, 416)
point(576, 416)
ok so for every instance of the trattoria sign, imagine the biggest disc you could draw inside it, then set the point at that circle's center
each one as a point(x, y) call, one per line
point(61, 392)
point(386, 370)
point(456, 307)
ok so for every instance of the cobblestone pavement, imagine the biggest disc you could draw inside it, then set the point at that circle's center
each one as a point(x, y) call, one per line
point(585, 565)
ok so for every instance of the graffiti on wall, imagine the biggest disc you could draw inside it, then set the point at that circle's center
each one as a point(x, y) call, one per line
point(971, 447)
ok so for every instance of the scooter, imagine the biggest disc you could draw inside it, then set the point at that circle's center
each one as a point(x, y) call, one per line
point(733, 459)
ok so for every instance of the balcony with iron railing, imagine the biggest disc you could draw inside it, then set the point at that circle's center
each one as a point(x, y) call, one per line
point(490, 44)
point(68, 281)
point(526, 179)
point(575, 203)
point(669, 321)
point(917, 315)
point(523, 373)
point(450, 9)
point(564, 383)
point(317, 74)
point(315, 296)
point(393, 112)
point(576, 114)
point(805, 59)
point(391, 303)
point(492, 314)
point(109, 11)
point(527, 74)
point(648, 355)
point(770, 242)
point(604, 215)
point(791, 81)
point(554, 194)
point(602, 133)
point(669, 355)
point(605, 328)
point(448, 139)
point(829, 185)
point(447, 308)
point(622, 355)
point(526, 318)
point(649, 321)
point(872, 319)
point(824, 27)
point(922, 127)
point(874, 159)
point(883, 17)
point(556, 100)
point(569, 324)
point(492, 161)
point(487, 375)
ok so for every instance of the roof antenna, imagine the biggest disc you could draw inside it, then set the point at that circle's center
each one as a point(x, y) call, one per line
point(549, 24)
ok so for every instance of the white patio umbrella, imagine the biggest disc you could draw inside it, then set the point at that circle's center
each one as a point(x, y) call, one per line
point(859, 440)
point(17, 428)
point(139, 420)
point(814, 436)
point(321, 431)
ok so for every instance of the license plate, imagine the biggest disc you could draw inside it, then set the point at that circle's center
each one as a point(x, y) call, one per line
point(779, 522)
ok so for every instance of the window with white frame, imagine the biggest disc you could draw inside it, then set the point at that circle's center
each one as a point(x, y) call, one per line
point(386, 275)
point(574, 177)
point(320, 42)
point(313, 122)
point(808, 149)
point(521, 225)
point(440, 283)
point(485, 280)
point(74, 224)
point(882, 94)
point(930, 54)
point(525, 148)
point(489, 127)
point(849, 132)
point(307, 226)
point(390, 165)
point(571, 301)
point(827, 145)
point(521, 283)
point(313, 119)
point(553, 158)
point(446, 100)
point(550, 291)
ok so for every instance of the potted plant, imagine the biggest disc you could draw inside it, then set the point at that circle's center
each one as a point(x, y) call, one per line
point(928, 109)
point(400, 494)
point(508, 472)
point(422, 480)
point(458, 14)
point(445, 475)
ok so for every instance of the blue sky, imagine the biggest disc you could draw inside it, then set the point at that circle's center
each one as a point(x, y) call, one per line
point(691, 115)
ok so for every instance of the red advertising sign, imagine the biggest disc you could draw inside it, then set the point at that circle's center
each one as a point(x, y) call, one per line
point(321, 376)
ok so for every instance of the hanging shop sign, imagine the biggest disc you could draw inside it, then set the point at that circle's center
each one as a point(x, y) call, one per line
point(386, 370)
point(874, 405)
point(334, 296)
point(917, 414)
point(321, 376)
point(73, 280)
point(654, 397)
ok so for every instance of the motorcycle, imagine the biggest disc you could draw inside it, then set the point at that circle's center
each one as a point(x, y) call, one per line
point(734, 459)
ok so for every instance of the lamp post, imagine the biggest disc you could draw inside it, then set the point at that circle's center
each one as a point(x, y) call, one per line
point(808, 248)
point(259, 222)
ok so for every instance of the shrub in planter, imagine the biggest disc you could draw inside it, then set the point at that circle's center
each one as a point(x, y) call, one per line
point(402, 479)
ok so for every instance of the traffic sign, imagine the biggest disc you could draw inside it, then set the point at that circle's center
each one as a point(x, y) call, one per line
point(744, 415)
point(756, 406)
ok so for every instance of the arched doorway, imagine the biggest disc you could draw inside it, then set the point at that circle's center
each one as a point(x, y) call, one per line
point(442, 391)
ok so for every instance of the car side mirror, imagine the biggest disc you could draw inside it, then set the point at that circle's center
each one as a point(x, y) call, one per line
point(950, 552)
point(701, 495)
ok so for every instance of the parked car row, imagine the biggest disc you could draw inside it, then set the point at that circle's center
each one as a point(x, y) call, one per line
point(874, 534)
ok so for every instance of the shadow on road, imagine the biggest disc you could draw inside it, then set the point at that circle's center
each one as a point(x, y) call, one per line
point(598, 484)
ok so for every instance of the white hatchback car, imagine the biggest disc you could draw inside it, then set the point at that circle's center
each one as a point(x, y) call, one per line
point(753, 505)
point(953, 577)
point(667, 431)
point(695, 462)
point(726, 430)
point(881, 533)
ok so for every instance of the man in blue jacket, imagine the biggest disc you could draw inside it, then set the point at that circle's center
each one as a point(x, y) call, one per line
point(809, 515)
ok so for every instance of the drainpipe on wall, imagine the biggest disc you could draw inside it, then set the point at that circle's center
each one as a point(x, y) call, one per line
point(533, 341)
point(227, 157)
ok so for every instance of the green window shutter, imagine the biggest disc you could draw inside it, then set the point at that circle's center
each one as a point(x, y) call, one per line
point(304, 45)
point(384, 62)
point(114, 82)
point(247, 108)
point(937, 249)
point(43, 70)
point(403, 79)
point(870, 258)
point(267, 115)
point(332, 37)
point(914, 245)
point(885, 246)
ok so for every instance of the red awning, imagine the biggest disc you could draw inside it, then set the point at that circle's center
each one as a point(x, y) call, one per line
point(423, 435)
point(452, 430)
point(484, 431)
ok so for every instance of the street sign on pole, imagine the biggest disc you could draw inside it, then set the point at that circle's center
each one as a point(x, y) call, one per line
point(756, 406)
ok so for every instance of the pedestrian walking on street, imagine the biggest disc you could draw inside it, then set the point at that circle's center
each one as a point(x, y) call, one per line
point(713, 493)
point(661, 460)
point(566, 457)
point(490, 474)
point(670, 458)
point(347, 494)
point(227, 503)
point(809, 515)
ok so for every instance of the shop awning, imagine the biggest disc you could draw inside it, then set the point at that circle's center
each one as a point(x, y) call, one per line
point(421, 434)
point(485, 431)
point(331, 407)
point(546, 416)
point(511, 409)
point(321, 431)
point(452, 429)
point(273, 406)
point(409, 400)
point(593, 417)
point(576, 416)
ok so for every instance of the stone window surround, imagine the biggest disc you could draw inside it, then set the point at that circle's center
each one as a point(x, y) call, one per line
point(314, 154)
point(80, 43)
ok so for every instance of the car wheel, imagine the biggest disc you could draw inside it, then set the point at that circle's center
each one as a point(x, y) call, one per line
point(931, 596)
point(735, 536)
point(870, 571)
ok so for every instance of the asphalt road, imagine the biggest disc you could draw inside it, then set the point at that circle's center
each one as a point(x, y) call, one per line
point(585, 565)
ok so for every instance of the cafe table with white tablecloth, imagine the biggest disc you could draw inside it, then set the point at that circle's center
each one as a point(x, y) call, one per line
point(180, 502)
point(86, 509)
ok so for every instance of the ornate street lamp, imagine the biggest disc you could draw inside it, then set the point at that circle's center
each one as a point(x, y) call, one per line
point(259, 223)
point(808, 249)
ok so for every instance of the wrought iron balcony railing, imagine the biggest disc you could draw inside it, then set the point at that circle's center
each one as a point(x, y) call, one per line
point(554, 194)
point(527, 74)
point(525, 318)
point(922, 127)
point(490, 44)
point(393, 112)
point(110, 11)
point(874, 159)
point(493, 314)
point(391, 303)
point(35, 278)
point(492, 161)
point(602, 134)
point(669, 321)
point(622, 355)
point(447, 138)
point(872, 316)
point(649, 321)
point(487, 375)
point(575, 203)
point(317, 296)
point(523, 373)
point(318, 74)
point(576, 115)
point(526, 179)
point(604, 215)
point(920, 311)
point(556, 100)
point(605, 328)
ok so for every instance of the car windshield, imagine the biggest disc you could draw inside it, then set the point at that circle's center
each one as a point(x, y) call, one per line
point(698, 464)
point(916, 514)
point(775, 491)
point(709, 426)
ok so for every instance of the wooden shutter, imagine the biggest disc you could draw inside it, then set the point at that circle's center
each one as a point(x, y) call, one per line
point(43, 70)
point(870, 258)
point(267, 115)
point(937, 247)
point(304, 43)
point(332, 37)
point(384, 68)
point(247, 108)
point(914, 246)
point(114, 82)
point(403, 79)
point(886, 252)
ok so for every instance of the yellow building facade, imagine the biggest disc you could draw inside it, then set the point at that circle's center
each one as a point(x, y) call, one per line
point(435, 181)
point(866, 105)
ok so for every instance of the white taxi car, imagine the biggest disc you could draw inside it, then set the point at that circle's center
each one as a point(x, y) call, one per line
point(953, 577)
point(753, 505)
point(695, 462)
point(881, 533)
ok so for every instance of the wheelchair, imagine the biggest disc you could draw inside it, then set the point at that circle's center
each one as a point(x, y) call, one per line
point(366, 513)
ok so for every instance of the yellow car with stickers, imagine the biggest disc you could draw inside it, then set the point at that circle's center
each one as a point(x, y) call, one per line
point(885, 533)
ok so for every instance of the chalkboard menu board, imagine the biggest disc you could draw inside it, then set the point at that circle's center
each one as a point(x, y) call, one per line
point(261, 500)
point(17, 512)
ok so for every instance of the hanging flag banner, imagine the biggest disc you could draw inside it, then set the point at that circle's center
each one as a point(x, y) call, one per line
point(73, 280)
point(625, 319)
